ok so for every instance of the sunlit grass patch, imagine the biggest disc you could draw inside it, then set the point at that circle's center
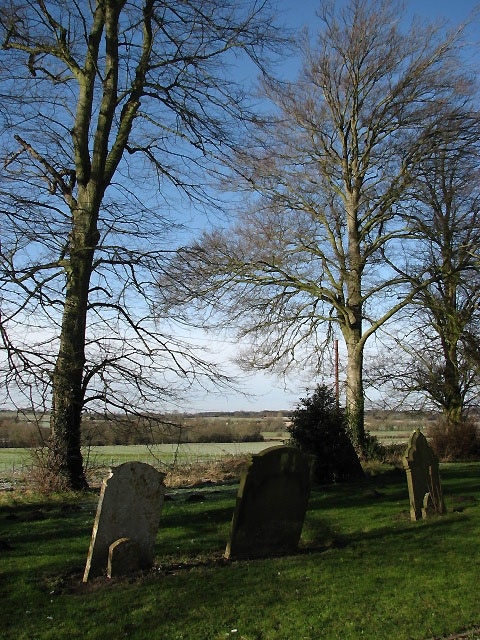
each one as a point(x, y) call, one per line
point(363, 569)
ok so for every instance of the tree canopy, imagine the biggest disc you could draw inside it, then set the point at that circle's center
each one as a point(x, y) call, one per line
point(321, 240)
point(439, 345)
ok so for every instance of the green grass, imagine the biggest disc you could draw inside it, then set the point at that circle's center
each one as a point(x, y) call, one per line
point(363, 570)
point(15, 458)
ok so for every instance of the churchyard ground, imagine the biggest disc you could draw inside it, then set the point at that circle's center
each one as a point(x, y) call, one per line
point(363, 569)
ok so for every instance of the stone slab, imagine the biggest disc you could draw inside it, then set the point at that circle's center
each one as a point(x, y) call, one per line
point(271, 504)
point(130, 504)
point(423, 478)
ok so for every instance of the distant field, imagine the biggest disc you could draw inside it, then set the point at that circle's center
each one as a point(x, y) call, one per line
point(22, 430)
point(394, 428)
point(168, 453)
point(388, 426)
point(14, 462)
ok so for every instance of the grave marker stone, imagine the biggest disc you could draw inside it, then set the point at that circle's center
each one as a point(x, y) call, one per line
point(130, 505)
point(423, 478)
point(123, 558)
point(271, 503)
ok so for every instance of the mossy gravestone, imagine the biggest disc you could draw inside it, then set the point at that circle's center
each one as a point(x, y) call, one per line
point(129, 508)
point(423, 478)
point(271, 504)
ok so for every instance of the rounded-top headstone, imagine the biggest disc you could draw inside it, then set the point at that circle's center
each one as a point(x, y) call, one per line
point(130, 505)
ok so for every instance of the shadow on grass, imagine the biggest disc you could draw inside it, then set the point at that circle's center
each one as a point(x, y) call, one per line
point(42, 539)
point(193, 529)
point(458, 479)
point(385, 488)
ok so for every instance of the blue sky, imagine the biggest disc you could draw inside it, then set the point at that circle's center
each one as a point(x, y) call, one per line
point(266, 392)
point(302, 12)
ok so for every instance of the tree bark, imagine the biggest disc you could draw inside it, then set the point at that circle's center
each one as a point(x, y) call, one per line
point(453, 401)
point(93, 173)
point(67, 383)
point(351, 324)
point(355, 400)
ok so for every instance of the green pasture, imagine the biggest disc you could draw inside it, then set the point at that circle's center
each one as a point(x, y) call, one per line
point(169, 453)
point(363, 570)
point(16, 460)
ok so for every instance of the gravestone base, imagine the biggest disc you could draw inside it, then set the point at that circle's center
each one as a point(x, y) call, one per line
point(428, 508)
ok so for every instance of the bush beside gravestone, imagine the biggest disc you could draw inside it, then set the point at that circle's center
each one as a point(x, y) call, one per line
point(319, 428)
point(454, 442)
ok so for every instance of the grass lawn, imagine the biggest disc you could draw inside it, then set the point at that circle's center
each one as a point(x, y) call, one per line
point(363, 570)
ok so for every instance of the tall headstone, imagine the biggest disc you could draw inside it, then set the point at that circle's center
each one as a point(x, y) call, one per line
point(271, 504)
point(423, 478)
point(130, 506)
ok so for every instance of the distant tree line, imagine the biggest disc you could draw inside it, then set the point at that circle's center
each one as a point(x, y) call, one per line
point(224, 427)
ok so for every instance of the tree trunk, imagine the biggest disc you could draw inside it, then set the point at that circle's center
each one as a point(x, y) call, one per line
point(68, 389)
point(352, 318)
point(355, 401)
point(452, 397)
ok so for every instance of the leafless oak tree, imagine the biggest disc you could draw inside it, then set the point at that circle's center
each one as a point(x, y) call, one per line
point(108, 108)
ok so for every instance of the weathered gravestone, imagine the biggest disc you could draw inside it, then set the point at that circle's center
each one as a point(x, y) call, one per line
point(423, 478)
point(130, 505)
point(271, 504)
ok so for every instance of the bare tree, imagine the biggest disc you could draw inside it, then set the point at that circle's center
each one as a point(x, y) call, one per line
point(314, 246)
point(109, 108)
point(443, 337)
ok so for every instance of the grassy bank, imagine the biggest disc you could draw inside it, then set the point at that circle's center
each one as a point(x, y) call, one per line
point(364, 570)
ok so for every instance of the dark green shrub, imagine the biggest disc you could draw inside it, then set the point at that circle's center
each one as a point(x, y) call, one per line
point(215, 436)
point(375, 451)
point(394, 454)
point(319, 428)
point(252, 437)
